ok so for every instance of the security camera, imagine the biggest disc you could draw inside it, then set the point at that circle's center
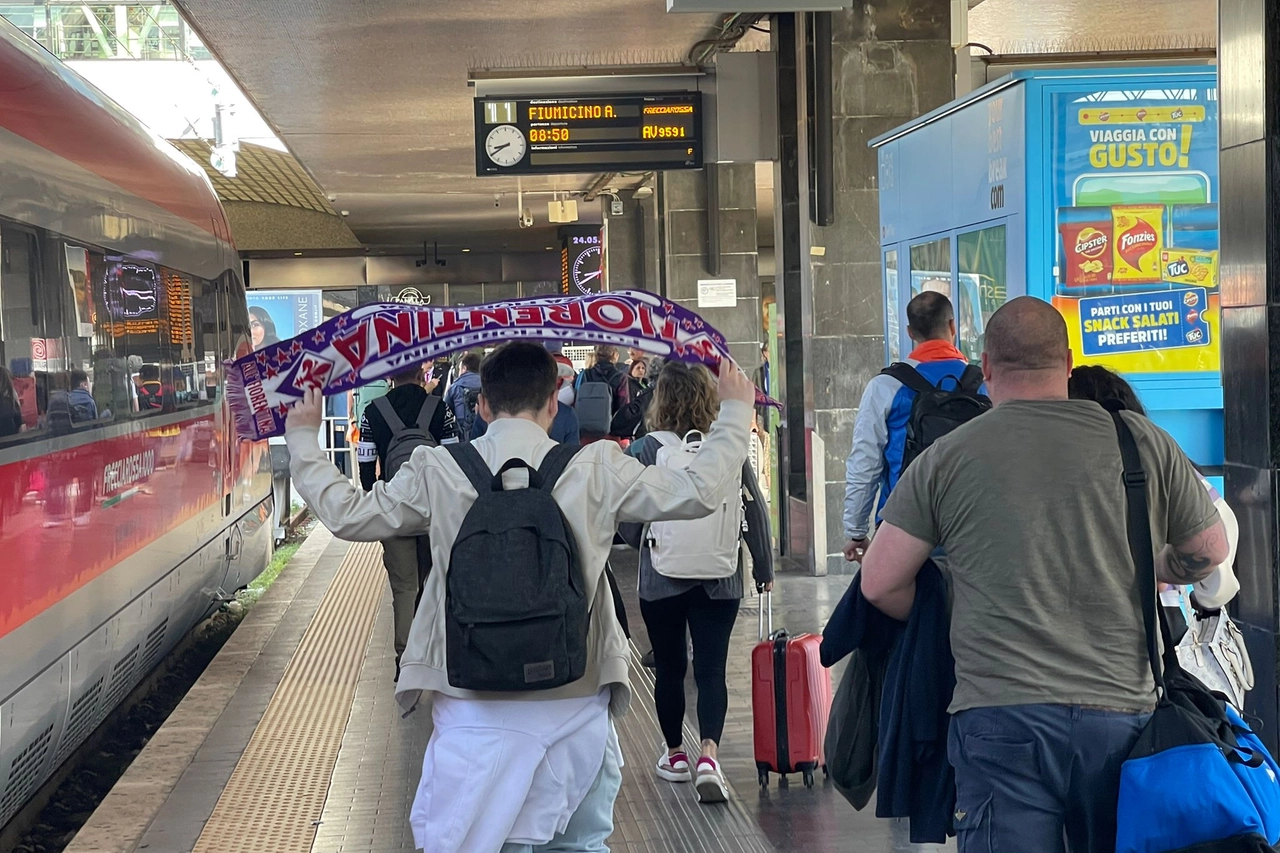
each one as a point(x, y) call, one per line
point(441, 262)
point(331, 197)
point(526, 218)
point(497, 199)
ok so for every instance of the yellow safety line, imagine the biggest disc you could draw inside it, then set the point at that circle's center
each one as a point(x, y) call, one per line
point(276, 794)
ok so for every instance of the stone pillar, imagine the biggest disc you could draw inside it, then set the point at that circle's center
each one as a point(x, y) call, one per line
point(686, 220)
point(1249, 210)
point(631, 248)
point(890, 62)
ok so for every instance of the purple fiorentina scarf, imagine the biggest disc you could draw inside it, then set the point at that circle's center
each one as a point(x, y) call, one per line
point(384, 338)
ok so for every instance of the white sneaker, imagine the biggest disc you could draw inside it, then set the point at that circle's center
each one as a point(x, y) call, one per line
point(710, 783)
point(673, 768)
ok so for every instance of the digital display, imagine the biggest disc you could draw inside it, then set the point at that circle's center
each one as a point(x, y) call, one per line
point(535, 136)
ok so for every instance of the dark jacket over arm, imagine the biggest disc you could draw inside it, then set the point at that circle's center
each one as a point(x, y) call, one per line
point(914, 779)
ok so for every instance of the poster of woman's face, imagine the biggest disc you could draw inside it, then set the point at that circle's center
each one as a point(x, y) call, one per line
point(276, 315)
point(262, 329)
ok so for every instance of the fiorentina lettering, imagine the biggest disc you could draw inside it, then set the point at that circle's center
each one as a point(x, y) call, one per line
point(378, 340)
point(257, 397)
point(387, 326)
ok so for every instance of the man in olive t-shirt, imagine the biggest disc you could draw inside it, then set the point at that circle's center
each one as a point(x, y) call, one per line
point(1052, 679)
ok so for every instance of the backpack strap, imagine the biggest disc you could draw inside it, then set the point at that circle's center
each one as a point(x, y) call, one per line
point(473, 465)
point(1138, 528)
point(427, 413)
point(909, 376)
point(388, 411)
point(971, 380)
point(557, 459)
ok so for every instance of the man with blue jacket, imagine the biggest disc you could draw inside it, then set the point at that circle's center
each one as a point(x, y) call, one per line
point(880, 430)
point(465, 391)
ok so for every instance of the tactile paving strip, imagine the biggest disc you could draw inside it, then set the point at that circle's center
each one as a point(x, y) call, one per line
point(276, 794)
point(653, 815)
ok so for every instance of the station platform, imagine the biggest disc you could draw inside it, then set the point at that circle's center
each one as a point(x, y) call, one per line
point(292, 741)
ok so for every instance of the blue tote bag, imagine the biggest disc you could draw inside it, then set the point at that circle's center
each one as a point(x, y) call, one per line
point(1198, 780)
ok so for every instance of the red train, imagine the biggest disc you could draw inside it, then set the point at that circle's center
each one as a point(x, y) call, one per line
point(128, 509)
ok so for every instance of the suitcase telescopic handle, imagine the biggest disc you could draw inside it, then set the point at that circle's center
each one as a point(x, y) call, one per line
point(766, 614)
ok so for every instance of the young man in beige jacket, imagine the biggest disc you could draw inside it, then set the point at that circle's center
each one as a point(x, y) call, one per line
point(519, 771)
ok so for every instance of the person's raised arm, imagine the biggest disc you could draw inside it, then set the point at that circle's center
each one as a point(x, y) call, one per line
point(655, 493)
point(889, 570)
point(395, 508)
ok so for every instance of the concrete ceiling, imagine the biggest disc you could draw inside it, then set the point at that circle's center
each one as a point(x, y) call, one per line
point(1073, 26)
point(372, 96)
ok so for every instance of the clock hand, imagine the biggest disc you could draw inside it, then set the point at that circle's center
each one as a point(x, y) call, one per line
point(500, 147)
point(586, 278)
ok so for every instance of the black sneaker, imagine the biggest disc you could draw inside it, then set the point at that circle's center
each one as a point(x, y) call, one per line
point(647, 660)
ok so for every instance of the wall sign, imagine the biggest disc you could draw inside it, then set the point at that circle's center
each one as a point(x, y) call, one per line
point(717, 293)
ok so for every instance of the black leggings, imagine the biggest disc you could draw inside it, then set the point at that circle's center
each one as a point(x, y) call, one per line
point(710, 622)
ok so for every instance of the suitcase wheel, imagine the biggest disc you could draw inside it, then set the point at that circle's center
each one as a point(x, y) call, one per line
point(808, 778)
point(764, 778)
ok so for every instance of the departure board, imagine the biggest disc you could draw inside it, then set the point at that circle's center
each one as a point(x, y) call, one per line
point(628, 133)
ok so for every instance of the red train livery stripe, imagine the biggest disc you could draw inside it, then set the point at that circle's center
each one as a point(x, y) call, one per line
point(46, 108)
point(69, 516)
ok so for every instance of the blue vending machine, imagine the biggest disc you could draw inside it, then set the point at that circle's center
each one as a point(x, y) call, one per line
point(1094, 189)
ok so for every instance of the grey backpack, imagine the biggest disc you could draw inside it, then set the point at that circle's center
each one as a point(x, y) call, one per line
point(594, 407)
point(406, 439)
point(516, 609)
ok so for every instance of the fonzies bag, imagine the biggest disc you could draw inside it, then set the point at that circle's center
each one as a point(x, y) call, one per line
point(1198, 779)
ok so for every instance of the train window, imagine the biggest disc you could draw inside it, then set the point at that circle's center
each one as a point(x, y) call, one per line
point(27, 350)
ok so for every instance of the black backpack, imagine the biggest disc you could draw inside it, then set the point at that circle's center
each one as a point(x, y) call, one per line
point(405, 439)
point(937, 410)
point(515, 601)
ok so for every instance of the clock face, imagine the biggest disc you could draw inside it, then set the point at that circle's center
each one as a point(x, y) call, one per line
point(586, 269)
point(505, 145)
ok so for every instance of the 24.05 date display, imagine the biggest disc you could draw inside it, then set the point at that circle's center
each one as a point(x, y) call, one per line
point(596, 134)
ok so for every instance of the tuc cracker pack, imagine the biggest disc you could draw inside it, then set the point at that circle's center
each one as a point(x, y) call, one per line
point(1086, 248)
point(1137, 238)
point(1183, 266)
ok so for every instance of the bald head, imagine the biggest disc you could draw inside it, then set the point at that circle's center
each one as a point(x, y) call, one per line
point(1027, 334)
point(1027, 356)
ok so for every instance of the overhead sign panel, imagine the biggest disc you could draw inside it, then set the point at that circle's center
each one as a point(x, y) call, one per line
point(627, 133)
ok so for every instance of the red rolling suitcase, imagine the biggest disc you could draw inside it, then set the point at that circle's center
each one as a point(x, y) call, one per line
point(790, 701)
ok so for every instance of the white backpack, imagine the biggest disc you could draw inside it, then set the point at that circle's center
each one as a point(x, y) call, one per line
point(702, 548)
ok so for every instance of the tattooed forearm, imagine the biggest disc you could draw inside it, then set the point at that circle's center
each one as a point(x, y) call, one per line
point(1194, 560)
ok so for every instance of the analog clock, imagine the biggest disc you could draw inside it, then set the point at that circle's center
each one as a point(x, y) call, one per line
point(505, 145)
point(586, 270)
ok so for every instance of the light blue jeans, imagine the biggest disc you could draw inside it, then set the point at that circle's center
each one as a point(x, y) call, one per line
point(592, 823)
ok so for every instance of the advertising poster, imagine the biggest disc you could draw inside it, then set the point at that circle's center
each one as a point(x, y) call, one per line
point(277, 315)
point(78, 280)
point(1135, 195)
